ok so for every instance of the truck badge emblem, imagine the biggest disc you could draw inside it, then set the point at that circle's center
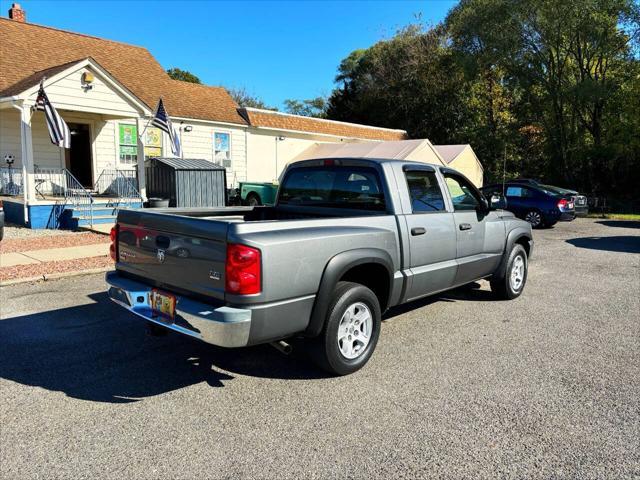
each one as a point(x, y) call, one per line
point(213, 275)
point(160, 255)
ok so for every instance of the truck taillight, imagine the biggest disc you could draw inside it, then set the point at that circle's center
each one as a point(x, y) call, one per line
point(113, 248)
point(242, 270)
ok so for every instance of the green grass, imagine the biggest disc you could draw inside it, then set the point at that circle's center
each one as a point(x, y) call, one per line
point(616, 216)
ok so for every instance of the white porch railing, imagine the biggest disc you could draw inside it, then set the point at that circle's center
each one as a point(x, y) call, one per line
point(120, 185)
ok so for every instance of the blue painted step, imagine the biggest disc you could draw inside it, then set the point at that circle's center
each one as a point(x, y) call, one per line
point(96, 220)
point(103, 212)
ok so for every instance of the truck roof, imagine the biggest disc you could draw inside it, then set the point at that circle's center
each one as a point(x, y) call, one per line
point(380, 161)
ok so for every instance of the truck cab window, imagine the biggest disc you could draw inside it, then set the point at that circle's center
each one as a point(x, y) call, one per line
point(462, 193)
point(424, 191)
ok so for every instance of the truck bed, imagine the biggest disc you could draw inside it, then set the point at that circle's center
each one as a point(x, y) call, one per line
point(185, 249)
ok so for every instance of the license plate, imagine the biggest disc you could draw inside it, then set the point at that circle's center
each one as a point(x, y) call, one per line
point(163, 304)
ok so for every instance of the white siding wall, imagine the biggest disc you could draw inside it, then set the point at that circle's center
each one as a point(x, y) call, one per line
point(264, 151)
point(45, 153)
point(198, 143)
point(105, 145)
point(10, 136)
point(69, 94)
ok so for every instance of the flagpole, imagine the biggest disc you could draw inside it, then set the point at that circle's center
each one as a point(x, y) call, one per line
point(147, 125)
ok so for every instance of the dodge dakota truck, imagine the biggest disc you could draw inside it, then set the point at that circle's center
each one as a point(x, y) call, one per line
point(345, 240)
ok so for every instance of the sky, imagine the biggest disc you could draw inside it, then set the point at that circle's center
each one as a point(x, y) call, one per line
point(276, 50)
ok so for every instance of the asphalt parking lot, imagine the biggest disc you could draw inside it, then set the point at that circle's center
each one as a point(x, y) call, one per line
point(460, 385)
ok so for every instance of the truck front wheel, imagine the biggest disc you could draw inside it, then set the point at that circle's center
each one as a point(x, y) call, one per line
point(351, 330)
point(509, 283)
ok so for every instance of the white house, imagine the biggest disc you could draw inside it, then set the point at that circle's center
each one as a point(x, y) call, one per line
point(106, 91)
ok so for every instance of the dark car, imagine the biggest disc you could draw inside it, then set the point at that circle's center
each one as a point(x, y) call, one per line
point(539, 206)
point(579, 201)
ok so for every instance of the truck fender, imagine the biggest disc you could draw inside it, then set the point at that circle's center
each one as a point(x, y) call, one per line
point(514, 236)
point(336, 267)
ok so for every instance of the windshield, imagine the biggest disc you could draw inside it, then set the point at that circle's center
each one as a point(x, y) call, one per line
point(333, 186)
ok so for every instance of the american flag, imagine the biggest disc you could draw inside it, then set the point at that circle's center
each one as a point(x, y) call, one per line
point(58, 129)
point(163, 122)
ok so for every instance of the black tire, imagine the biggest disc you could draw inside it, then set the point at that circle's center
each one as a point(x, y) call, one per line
point(325, 349)
point(253, 200)
point(501, 284)
point(535, 218)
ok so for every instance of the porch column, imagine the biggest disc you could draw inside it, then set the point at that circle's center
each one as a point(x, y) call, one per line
point(142, 185)
point(26, 144)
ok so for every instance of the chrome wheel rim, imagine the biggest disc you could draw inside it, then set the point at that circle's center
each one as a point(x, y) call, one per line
point(517, 273)
point(533, 218)
point(354, 330)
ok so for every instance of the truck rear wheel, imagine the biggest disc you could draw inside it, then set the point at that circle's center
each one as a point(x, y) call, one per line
point(253, 200)
point(351, 330)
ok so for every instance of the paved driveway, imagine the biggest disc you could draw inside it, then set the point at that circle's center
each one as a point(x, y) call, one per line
point(460, 385)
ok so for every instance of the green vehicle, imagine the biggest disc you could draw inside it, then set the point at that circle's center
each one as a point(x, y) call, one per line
point(258, 193)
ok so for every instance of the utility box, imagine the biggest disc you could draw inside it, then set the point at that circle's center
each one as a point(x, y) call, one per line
point(186, 182)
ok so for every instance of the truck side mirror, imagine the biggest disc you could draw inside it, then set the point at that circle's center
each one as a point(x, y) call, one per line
point(498, 202)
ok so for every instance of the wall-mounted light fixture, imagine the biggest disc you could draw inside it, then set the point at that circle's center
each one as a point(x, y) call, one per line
point(281, 139)
point(87, 80)
point(188, 128)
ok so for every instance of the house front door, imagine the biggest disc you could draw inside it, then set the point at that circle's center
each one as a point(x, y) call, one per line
point(78, 158)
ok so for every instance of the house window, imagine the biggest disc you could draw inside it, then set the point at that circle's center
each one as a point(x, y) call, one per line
point(127, 140)
point(152, 142)
point(222, 149)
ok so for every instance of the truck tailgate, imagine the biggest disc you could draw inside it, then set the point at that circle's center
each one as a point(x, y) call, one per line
point(193, 260)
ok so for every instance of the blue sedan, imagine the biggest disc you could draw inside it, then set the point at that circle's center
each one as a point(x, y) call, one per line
point(537, 205)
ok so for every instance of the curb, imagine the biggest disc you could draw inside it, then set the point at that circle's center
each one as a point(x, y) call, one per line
point(54, 276)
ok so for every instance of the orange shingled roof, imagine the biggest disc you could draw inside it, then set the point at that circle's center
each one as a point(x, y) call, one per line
point(27, 49)
point(284, 121)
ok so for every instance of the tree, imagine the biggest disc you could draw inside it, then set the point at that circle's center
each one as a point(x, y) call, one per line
point(244, 99)
point(553, 85)
point(410, 81)
point(183, 75)
point(313, 107)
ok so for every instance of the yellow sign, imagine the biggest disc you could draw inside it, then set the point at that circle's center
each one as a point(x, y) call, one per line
point(153, 137)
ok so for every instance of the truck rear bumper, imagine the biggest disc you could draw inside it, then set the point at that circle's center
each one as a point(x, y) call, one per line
point(222, 326)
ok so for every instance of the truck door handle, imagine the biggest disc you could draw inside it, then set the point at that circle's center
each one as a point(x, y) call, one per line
point(418, 231)
point(465, 226)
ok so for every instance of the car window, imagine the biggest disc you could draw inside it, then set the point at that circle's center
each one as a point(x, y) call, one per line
point(519, 191)
point(514, 192)
point(462, 193)
point(424, 191)
point(333, 186)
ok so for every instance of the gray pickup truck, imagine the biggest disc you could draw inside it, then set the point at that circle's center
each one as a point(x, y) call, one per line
point(346, 240)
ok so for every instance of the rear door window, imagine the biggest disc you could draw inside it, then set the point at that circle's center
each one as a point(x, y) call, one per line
point(424, 191)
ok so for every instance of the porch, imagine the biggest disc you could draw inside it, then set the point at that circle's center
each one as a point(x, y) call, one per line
point(44, 186)
point(60, 201)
